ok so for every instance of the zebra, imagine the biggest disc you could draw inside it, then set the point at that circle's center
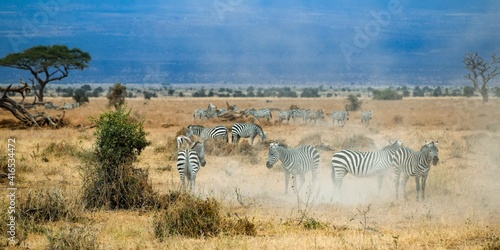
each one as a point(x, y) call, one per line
point(210, 112)
point(188, 165)
point(247, 130)
point(182, 140)
point(362, 164)
point(284, 115)
point(340, 117)
point(366, 117)
point(296, 161)
point(260, 113)
point(208, 133)
point(299, 113)
point(415, 163)
point(315, 115)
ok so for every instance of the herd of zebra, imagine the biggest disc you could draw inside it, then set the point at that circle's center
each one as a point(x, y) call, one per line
point(339, 117)
point(306, 158)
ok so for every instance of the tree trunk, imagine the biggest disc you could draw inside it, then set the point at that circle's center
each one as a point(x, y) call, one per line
point(40, 92)
point(484, 94)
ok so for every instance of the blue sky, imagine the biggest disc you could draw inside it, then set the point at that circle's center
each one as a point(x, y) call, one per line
point(366, 42)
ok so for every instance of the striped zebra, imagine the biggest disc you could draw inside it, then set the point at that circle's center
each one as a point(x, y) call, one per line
point(296, 161)
point(415, 163)
point(188, 163)
point(366, 117)
point(259, 113)
point(299, 113)
point(247, 130)
point(208, 133)
point(315, 115)
point(362, 164)
point(340, 117)
point(210, 112)
point(284, 115)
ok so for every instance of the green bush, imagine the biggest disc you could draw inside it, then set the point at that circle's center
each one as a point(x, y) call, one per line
point(110, 179)
point(386, 94)
point(468, 91)
point(116, 95)
point(353, 103)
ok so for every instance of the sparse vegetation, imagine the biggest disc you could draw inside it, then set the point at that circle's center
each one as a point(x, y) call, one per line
point(462, 187)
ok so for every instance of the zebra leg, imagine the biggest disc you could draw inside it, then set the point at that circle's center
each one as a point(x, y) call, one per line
point(287, 179)
point(403, 184)
point(251, 139)
point(302, 181)
point(417, 183)
point(192, 182)
point(380, 178)
point(424, 179)
point(397, 173)
point(337, 179)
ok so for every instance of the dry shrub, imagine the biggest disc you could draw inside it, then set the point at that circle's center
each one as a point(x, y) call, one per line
point(48, 205)
point(397, 119)
point(219, 148)
point(73, 237)
point(314, 139)
point(59, 149)
point(189, 216)
point(357, 142)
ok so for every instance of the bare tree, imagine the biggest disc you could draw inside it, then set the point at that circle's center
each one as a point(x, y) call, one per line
point(481, 72)
point(39, 119)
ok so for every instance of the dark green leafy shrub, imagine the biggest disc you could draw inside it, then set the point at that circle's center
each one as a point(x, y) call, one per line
point(353, 103)
point(110, 179)
point(386, 94)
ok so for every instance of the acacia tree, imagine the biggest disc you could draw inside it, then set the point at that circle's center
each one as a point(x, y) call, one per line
point(47, 64)
point(481, 72)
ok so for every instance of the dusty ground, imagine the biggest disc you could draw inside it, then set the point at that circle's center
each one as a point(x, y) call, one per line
point(461, 210)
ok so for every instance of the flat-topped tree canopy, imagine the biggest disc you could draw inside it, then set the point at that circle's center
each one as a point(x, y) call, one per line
point(47, 63)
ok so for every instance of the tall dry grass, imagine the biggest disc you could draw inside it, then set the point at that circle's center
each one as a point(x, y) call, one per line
point(462, 201)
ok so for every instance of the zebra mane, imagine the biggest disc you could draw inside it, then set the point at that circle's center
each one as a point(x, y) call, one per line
point(196, 126)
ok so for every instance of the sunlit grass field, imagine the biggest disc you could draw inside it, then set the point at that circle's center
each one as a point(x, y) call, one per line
point(461, 210)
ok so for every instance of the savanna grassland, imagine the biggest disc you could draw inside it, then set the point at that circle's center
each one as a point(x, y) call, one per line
point(461, 210)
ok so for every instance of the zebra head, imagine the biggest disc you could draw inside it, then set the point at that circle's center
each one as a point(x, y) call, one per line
point(189, 133)
point(393, 145)
point(433, 151)
point(211, 107)
point(273, 155)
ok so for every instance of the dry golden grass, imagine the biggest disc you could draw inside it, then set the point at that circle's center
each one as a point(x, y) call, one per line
point(461, 211)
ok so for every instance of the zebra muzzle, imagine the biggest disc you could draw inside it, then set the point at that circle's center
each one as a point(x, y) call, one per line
point(435, 160)
point(269, 165)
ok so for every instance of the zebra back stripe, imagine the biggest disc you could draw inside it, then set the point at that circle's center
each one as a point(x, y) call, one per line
point(247, 130)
